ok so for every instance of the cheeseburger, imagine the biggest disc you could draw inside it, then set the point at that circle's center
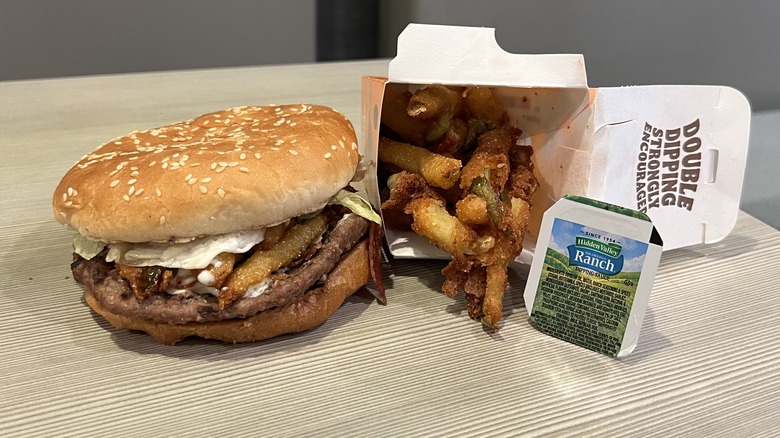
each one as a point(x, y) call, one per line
point(238, 225)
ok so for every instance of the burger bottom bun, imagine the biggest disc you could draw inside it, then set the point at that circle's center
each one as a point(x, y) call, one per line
point(313, 309)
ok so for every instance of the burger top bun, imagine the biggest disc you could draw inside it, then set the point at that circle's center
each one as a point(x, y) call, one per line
point(226, 171)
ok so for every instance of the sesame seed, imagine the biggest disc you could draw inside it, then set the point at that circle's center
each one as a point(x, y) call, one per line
point(333, 146)
point(139, 191)
point(176, 155)
point(213, 166)
point(205, 180)
point(242, 156)
point(134, 173)
point(187, 178)
point(192, 181)
point(327, 155)
point(279, 142)
point(194, 164)
point(132, 181)
point(157, 190)
point(164, 165)
point(203, 189)
point(279, 122)
point(64, 197)
point(295, 140)
point(131, 191)
point(354, 145)
point(114, 183)
point(114, 172)
point(75, 192)
point(293, 152)
point(244, 169)
point(233, 163)
point(126, 198)
point(70, 191)
point(223, 163)
point(293, 124)
point(257, 155)
point(69, 203)
point(219, 169)
point(152, 163)
point(341, 143)
point(221, 192)
point(274, 149)
point(500, 165)
point(162, 220)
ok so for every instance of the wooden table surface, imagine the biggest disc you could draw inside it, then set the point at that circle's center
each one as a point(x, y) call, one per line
point(707, 363)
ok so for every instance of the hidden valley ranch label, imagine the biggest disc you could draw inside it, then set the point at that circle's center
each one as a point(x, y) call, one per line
point(587, 286)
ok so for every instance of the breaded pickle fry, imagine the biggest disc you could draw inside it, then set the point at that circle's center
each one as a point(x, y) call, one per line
point(433, 101)
point(431, 220)
point(394, 116)
point(482, 104)
point(475, 128)
point(453, 139)
point(220, 268)
point(482, 188)
point(491, 154)
point(438, 171)
point(492, 302)
point(273, 235)
point(405, 186)
point(262, 263)
point(472, 210)
point(439, 127)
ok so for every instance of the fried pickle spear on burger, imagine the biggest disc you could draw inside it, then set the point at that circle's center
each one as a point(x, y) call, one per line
point(483, 225)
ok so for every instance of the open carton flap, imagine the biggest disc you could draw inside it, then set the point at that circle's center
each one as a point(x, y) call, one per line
point(455, 55)
point(677, 153)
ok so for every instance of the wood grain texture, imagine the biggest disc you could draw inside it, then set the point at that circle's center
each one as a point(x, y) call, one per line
point(707, 363)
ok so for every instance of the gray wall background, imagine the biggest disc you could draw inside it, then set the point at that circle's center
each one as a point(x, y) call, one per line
point(48, 38)
point(722, 42)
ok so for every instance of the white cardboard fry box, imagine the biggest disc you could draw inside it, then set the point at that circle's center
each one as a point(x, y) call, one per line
point(677, 153)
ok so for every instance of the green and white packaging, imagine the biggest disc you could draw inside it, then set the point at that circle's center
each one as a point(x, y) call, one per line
point(591, 278)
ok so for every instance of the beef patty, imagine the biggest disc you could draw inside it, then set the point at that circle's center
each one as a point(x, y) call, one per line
point(114, 293)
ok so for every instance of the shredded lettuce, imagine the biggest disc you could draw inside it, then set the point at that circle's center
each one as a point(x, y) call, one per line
point(356, 204)
point(87, 248)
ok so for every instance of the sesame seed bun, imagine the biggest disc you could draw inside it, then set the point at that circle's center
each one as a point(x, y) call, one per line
point(226, 171)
